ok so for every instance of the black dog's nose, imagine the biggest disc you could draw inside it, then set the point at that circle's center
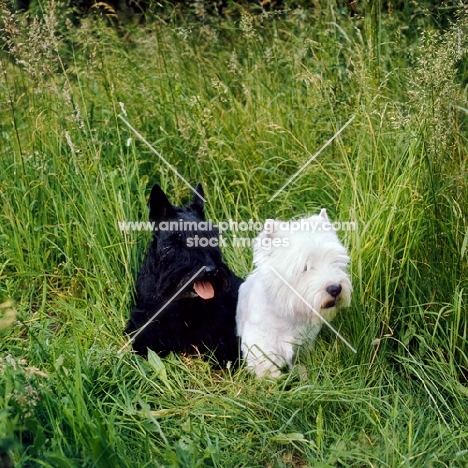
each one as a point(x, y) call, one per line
point(210, 269)
point(334, 290)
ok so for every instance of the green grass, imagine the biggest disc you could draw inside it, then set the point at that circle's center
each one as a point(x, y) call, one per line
point(240, 105)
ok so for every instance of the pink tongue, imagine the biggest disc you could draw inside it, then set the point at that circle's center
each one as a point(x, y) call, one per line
point(204, 289)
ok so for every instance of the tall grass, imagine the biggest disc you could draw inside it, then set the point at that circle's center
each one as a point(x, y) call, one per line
point(240, 105)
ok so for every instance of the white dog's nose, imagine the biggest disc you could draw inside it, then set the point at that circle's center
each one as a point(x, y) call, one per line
point(334, 290)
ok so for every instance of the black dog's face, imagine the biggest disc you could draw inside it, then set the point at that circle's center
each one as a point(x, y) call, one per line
point(185, 246)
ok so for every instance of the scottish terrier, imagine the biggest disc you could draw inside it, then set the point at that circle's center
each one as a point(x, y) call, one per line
point(300, 273)
point(186, 295)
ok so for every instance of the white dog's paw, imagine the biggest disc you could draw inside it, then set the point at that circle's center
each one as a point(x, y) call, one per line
point(265, 368)
point(267, 363)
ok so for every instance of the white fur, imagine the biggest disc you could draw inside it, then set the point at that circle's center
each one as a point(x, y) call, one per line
point(271, 318)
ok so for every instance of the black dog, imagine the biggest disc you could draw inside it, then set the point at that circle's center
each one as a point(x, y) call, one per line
point(185, 282)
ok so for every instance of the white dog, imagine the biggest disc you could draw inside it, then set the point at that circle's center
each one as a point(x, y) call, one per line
point(300, 272)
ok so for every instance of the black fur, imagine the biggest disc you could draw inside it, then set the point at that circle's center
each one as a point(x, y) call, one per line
point(189, 323)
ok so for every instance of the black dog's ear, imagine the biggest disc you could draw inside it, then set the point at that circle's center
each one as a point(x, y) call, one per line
point(198, 199)
point(159, 206)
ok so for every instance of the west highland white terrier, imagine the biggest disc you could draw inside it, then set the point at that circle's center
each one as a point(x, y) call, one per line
point(298, 282)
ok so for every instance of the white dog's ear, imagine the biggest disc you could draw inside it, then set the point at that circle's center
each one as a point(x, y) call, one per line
point(323, 214)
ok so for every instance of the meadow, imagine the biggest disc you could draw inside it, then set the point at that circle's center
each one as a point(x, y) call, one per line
point(240, 102)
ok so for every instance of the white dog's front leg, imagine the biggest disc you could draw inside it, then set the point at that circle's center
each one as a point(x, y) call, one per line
point(266, 359)
point(262, 362)
point(267, 338)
